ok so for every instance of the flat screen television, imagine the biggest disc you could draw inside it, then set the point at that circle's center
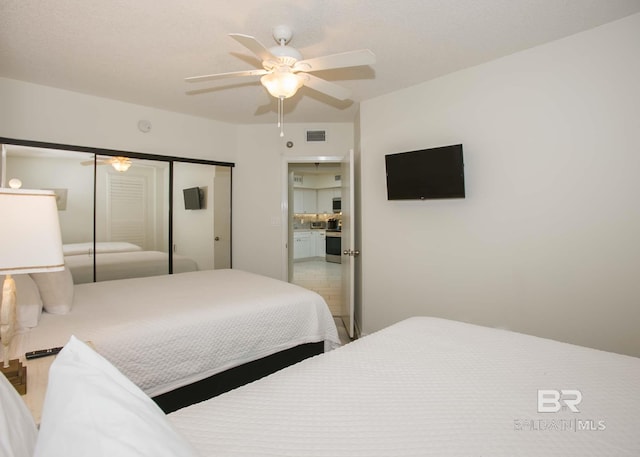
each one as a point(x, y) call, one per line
point(426, 174)
point(192, 198)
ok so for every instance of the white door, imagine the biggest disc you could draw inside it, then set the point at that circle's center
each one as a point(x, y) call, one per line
point(349, 251)
point(222, 217)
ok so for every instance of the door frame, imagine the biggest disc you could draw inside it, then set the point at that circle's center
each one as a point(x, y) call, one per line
point(287, 232)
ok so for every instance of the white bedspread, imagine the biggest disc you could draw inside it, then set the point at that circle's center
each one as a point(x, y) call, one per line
point(428, 387)
point(164, 332)
point(87, 248)
point(126, 264)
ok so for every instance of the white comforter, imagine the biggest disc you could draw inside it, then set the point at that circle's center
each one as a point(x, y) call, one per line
point(164, 332)
point(429, 387)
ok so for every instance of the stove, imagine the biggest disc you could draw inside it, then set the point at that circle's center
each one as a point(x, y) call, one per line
point(333, 241)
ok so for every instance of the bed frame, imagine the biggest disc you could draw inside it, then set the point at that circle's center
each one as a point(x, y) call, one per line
point(235, 377)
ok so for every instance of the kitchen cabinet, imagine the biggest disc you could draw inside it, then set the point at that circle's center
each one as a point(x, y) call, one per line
point(298, 202)
point(325, 199)
point(304, 201)
point(309, 201)
point(308, 244)
point(302, 246)
point(318, 237)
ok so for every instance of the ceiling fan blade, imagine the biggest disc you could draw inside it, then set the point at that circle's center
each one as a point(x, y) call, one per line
point(254, 46)
point(342, 60)
point(231, 74)
point(326, 87)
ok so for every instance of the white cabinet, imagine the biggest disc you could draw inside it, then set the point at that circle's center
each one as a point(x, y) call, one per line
point(304, 201)
point(325, 199)
point(302, 246)
point(309, 197)
point(298, 201)
point(318, 237)
point(308, 244)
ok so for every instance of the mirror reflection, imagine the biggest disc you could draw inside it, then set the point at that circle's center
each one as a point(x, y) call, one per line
point(132, 217)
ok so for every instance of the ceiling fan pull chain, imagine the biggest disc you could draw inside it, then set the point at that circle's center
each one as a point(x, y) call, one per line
point(281, 115)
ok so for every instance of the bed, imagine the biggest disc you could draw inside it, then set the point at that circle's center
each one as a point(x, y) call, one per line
point(119, 260)
point(167, 333)
point(422, 387)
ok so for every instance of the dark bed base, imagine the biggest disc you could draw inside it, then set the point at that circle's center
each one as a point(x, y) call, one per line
point(235, 377)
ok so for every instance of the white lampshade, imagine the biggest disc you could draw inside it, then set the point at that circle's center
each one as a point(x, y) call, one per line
point(30, 239)
point(282, 83)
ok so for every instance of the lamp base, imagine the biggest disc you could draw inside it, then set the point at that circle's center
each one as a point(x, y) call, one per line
point(16, 373)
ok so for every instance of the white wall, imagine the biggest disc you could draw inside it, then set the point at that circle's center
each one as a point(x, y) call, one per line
point(257, 188)
point(40, 113)
point(546, 241)
point(60, 173)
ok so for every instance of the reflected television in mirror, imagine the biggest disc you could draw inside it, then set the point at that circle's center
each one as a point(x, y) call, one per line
point(192, 198)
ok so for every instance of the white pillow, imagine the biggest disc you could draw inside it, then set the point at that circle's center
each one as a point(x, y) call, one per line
point(28, 301)
point(18, 431)
point(91, 409)
point(56, 290)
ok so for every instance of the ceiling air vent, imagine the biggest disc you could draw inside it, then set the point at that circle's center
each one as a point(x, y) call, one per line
point(316, 136)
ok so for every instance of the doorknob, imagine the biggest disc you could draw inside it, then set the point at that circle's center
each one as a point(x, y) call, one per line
point(349, 252)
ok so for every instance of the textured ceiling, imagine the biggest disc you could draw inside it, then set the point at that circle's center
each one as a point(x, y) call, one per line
point(140, 51)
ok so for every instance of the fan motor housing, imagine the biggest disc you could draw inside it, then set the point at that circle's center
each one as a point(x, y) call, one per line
point(287, 55)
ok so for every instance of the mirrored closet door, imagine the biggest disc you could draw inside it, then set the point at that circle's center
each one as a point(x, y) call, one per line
point(116, 216)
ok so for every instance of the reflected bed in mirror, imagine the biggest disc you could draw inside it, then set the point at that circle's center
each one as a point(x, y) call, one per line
point(125, 206)
point(122, 265)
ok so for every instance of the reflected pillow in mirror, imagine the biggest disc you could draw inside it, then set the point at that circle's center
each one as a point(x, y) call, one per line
point(56, 290)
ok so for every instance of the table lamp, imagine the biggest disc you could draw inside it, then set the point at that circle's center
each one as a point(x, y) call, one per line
point(30, 242)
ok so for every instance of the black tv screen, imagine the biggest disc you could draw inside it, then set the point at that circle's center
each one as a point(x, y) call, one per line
point(426, 174)
point(192, 198)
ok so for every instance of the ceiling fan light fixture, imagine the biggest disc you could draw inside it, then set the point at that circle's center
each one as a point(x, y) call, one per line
point(121, 164)
point(282, 83)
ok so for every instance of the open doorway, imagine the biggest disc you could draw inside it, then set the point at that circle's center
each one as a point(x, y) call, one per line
point(315, 223)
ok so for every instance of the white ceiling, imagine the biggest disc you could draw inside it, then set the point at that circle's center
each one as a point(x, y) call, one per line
point(140, 51)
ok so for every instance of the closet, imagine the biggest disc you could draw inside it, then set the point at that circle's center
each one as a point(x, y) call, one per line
point(123, 214)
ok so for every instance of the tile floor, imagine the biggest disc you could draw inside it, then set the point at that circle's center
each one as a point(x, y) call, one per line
point(342, 331)
point(322, 277)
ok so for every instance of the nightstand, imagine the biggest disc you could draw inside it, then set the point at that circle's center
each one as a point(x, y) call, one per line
point(37, 378)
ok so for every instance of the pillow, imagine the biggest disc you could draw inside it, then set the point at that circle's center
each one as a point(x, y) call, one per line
point(18, 431)
point(91, 409)
point(28, 301)
point(56, 290)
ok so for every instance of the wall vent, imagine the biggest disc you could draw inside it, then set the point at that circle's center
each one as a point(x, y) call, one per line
point(316, 136)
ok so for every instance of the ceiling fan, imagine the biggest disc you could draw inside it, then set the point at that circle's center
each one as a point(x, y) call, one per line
point(284, 70)
point(119, 163)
